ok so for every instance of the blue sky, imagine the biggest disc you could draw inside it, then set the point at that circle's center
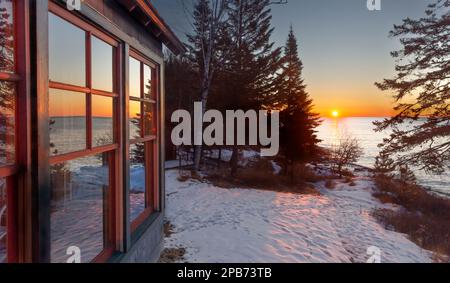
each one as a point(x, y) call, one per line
point(344, 47)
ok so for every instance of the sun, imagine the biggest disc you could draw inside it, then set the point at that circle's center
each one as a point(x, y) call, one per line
point(335, 114)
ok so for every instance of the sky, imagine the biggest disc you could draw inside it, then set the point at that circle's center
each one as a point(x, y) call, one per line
point(344, 47)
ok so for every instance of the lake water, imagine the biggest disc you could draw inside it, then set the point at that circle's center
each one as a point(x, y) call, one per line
point(332, 130)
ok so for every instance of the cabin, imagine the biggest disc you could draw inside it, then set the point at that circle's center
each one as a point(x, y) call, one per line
point(82, 130)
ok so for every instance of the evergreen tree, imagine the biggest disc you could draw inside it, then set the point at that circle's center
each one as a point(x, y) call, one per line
point(406, 175)
point(384, 165)
point(252, 61)
point(298, 121)
point(421, 129)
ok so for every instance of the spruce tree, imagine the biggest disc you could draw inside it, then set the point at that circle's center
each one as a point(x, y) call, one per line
point(384, 165)
point(406, 175)
point(298, 121)
point(252, 61)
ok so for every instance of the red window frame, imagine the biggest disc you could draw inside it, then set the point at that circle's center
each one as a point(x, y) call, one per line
point(10, 171)
point(150, 141)
point(113, 149)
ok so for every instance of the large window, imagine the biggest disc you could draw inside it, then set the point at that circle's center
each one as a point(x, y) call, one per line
point(143, 132)
point(8, 98)
point(83, 145)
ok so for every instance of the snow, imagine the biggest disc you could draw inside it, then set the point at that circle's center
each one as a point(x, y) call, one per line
point(276, 168)
point(246, 226)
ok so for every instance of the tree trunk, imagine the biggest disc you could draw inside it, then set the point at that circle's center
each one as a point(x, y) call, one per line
point(198, 148)
point(234, 162)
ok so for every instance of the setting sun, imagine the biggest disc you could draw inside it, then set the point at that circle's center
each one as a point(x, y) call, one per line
point(335, 114)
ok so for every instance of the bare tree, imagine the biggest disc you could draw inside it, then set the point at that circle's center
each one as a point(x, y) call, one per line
point(348, 151)
point(205, 48)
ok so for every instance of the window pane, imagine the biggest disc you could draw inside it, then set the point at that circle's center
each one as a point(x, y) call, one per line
point(148, 86)
point(135, 78)
point(79, 193)
point(6, 36)
point(135, 119)
point(67, 52)
point(149, 119)
point(137, 180)
point(67, 121)
point(7, 109)
point(102, 120)
point(3, 240)
point(102, 65)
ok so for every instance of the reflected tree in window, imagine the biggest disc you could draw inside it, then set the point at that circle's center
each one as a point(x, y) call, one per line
point(6, 37)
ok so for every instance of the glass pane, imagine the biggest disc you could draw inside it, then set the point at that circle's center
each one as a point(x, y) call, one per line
point(135, 78)
point(7, 115)
point(6, 36)
point(102, 120)
point(102, 65)
point(149, 119)
point(79, 190)
point(67, 110)
point(137, 180)
point(3, 240)
point(135, 119)
point(148, 86)
point(67, 52)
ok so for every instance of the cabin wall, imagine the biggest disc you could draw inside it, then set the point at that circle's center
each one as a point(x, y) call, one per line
point(146, 243)
point(118, 17)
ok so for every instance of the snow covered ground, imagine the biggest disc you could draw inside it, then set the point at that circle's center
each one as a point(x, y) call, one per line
point(244, 226)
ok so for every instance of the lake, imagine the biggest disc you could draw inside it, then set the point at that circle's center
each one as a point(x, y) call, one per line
point(332, 130)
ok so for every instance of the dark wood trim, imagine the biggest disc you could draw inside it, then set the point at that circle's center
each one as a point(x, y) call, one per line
point(118, 213)
point(9, 77)
point(68, 87)
point(103, 93)
point(146, 100)
point(141, 219)
point(143, 140)
point(126, 149)
point(8, 170)
point(138, 56)
point(79, 154)
point(88, 52)
point(40, 167)
point(23, 144)
point(75, 20)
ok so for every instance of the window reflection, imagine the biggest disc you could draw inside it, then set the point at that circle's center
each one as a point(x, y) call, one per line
point(67, 112)
point(135, 119)
point(149, 123)
point(102, 65)
point(7, 117)
point(79, 193)
point(3, 215)
point(148, 86)
point(102, 120)
point(135, 78)
point(6, 36)
point(67, 55)
point(137, 180)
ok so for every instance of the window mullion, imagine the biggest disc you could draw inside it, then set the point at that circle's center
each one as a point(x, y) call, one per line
point(89, 95)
